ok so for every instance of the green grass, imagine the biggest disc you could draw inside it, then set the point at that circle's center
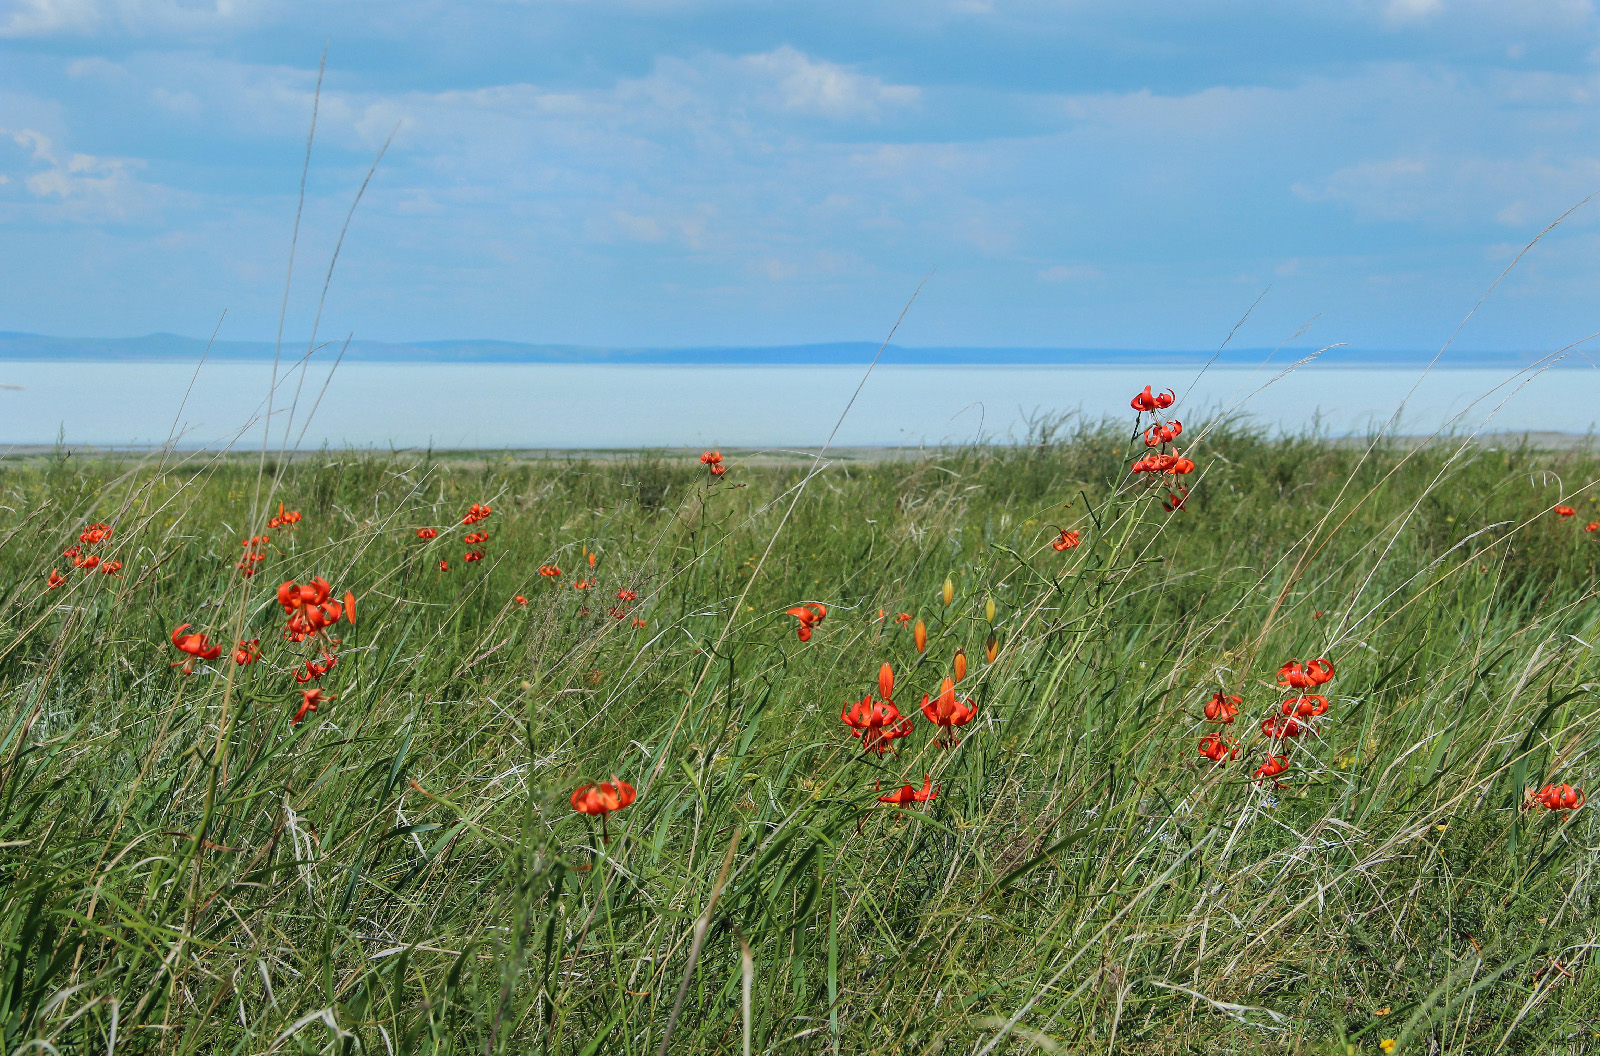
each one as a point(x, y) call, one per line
point(182, 870)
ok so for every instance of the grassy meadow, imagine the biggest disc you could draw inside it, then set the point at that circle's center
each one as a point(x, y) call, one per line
point(184, 869)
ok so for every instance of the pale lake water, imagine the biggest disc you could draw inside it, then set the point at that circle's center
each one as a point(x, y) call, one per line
point(591, 406)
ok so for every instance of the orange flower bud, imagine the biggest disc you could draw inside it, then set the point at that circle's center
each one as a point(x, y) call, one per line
point(991, 649)
point(919, 634)
point(949, 594)
point(885, 681)
point(960, 664)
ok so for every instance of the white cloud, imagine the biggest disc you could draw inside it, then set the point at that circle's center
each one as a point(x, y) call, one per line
point(45, 18)
point(1404, 11)
point(1069, 273)
point(813, 86)
point(1459, 190)
point(89, 187)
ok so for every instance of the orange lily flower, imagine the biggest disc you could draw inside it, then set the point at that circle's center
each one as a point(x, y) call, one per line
point(907, 795)
point(246, 653)
point(427, 533)
point(475, 554)
point(1274, 765)
point(56, 579)
point(809, 613)
point(1279, 729)
point(1150, 401)
point(877, 722)
point(1159, 434)
point(1068, 541)
point(309, 699)
point(601, 799)
point(626, 595)
point(1174, 502)
point(549, 571)
point(948, 711)
point(1214, 747)
point(1560, 797)
point(520, 600)
point(1223, 709)
point(95, 534)
point(474, 538)
point(583, 584)
point(444, 566)
point(475, 513)
point(1305, 707)
point(197, 645)
point(1296, 675)
point(902, 618)
point(1564, 512)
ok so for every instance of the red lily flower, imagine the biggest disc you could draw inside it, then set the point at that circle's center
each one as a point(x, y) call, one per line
point(1068, 541)
point(603, 798)
point(56, 579)
point(1296, 675)
point(711, 458)
point(247, 653)
point(1175, 500)
point(309, 699)
point(427, 533)
point(1279, 729)
point(1150, 401)
point(284, 518)
point(85, 561)
point(474, 538)
point(111, 568)
point(908, 795)
point(1274, 765)
point(1564, 511)
point(627, 595)
point(475, 513)
point(948, 711)
point(72, 551)
point(583, 584)
point(1159, 434)
point(1592, 526)
point(520, 600)
point(718, 470)
point(1305, 707)
point(1223, 709)
point(314, 671)
point(549, 571)
point(902, 618)
point(444, 566)
point(1214, 747)
point(1560, 797)
point(808, 613)
point(618, 612)
point(638, 622)
point(475, 554)
point(95, 534)
point(197, 645)
point(877, 722)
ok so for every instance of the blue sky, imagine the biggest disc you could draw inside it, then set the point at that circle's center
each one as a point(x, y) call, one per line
point(670, 172)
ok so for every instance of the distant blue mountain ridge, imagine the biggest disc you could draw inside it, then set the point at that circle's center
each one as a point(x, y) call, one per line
point(155, 348)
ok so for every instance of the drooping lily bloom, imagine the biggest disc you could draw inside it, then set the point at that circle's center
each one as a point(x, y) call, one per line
point(626, 595)
point(520, 600)
point(95, 534)
point(809, 613)
point(1560, 797)
point(427, 533)
point(919, 636)
point(711, 458)
point(601, 799)
point(718, 470)
point(1272, 767)
point(474, 538)
point(246, 653)
point(1282, 728)
point(1223, 708)
point(85, 561)
point(1592, 526)
point(948, 711)
point(309, 699)
point(1296, 675)
point(1218, 749)
point(1159, 434)
point(56, 579)
point(583, 584)
point(877, 722)
point(444, 566)
point(292, 595)
point(1174, 502)
point(475, 513)
point(902, 618)
point(475, 554)
point(1304, 707)
point(72, 551)
point(907, 795)
point(638, 622)
point(958, 666)
point(550, 571)
point(1564, 511)
point(618, 612)
point(197, 645)
point(284, 518)
point(1150, 401)
point(314, 670)
point(1067, 541)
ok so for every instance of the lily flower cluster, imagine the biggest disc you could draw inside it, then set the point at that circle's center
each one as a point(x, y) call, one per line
point(310, 608)
point(284, 519)
point(1567, 513)
point(1160, 434)
point(712, 460)
point(254, 554)
point(83, 554)
point(1293, 718)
